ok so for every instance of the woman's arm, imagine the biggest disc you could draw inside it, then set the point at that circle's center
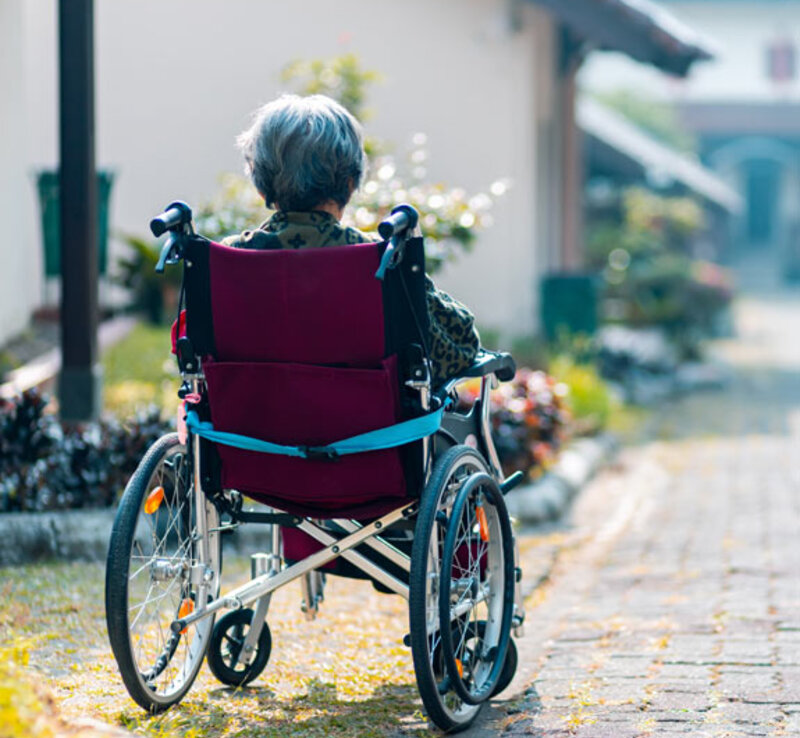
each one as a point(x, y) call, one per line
point(454, 338)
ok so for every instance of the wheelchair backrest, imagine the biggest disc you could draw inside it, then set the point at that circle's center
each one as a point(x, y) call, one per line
point(306, 347)
point(309, 306)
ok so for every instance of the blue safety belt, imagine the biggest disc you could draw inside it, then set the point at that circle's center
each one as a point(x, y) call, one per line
point(382, 438)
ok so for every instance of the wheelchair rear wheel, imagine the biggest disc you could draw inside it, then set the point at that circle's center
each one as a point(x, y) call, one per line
point(476, 602)
point(156, 573)
point(438, 514)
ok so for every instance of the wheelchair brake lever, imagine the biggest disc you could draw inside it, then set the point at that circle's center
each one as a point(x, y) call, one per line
point(392, 256)
point(167, 256)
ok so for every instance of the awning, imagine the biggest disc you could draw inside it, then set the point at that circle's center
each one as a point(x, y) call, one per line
point(639, 28)
point(619, 145)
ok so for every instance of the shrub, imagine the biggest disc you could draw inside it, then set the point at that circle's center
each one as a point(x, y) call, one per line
point(45, 465)
point(589, 399)
point(153, 294)
point(644, 254)
point(529, 419)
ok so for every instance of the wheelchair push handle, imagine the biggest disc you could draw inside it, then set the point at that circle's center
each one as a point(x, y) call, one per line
point(176, 215)
point(402, 219)
point(396, 229)
point(175, 220)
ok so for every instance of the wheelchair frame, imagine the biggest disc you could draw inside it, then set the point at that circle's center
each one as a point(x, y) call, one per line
point(268, 570)
point(268, 582)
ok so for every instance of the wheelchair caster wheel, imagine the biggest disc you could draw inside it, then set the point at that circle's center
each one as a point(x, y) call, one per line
point(225, 649)
point(509, 668)
point(509, 665)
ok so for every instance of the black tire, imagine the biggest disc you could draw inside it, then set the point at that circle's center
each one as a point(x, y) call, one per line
point(442, 704)
point(148, 579)
point(225, 649)
point(510, 663)
point(509, 668)
point(476, 602)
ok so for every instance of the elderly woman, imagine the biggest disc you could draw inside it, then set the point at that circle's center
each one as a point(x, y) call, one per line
point(305, 156)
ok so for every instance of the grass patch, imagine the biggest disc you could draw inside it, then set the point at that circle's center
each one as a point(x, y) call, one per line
point(140, 371)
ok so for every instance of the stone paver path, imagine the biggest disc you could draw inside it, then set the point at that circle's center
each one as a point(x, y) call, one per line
point(675, 609)
point(673, 606)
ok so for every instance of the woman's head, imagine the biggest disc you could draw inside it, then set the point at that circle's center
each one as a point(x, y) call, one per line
point(303, 152)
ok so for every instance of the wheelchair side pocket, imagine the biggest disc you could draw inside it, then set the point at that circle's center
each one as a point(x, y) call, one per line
point(299, 404)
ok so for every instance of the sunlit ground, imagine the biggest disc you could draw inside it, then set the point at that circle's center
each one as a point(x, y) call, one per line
point(347, 673)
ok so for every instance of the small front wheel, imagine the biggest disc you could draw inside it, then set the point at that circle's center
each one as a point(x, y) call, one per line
point(225, 652)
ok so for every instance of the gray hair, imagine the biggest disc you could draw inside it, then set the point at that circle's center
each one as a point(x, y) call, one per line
point(303, 151)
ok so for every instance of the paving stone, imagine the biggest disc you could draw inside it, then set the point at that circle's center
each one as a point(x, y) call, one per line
point(689, 702)
point(748, 712)
point(791, 723)
point(754, 685)
point(679, 611)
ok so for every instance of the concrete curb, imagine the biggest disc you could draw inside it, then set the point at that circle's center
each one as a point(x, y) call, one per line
point(74, 535)
point(547, 498)
point(83, 535)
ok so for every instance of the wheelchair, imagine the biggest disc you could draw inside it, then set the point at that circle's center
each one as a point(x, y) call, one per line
point(306, 388)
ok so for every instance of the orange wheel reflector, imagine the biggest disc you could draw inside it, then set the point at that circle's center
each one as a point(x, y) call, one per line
point(483, 523)
point(154, 500)
point(186, 608)
point(460, 668)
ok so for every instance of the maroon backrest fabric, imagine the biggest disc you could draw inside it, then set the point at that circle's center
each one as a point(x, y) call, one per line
point(309, 306)
point(280, 320)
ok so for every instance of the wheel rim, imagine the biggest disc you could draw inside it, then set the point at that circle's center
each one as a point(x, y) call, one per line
point(456, 710)
point(164, 553)
point(473, 612)
point(227, 647)
point(232, 645)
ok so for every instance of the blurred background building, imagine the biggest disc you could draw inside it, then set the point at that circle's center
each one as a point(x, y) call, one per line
point(491, 84)
point(743, 111)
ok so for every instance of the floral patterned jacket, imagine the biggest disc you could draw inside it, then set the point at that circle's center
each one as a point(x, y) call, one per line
point(454, 338)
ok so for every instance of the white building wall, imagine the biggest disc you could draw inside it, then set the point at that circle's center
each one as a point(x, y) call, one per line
point(177, 80)
point(742, 31)
point(19, 259)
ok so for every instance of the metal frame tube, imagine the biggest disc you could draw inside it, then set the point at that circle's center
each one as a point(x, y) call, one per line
point(358, 559)
point(383, 547)
point(263, 585)
point(260, 565)
point(486, 427)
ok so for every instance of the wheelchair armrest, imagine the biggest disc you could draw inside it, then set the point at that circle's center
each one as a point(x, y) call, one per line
point(486, 362)
point(491, 362)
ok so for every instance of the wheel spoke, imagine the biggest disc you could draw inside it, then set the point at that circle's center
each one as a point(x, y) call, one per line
point(157, 665)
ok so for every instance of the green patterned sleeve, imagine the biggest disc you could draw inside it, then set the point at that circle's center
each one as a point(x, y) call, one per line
point(454, 338)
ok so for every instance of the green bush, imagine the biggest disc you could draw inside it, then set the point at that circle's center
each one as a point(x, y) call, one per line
point(155, 295)
point(589, 399)
point(649, 277)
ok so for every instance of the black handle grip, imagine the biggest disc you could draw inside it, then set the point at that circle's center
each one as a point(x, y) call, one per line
point(403, 218)
point(176, 215)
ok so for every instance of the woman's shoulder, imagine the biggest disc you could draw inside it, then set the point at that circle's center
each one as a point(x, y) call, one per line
point(299, 230)
point(343, 234)
point(253, 239)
